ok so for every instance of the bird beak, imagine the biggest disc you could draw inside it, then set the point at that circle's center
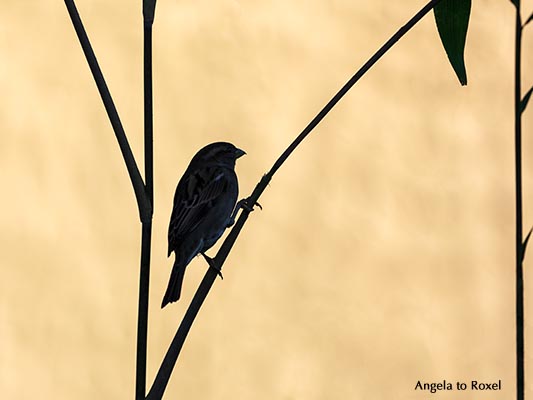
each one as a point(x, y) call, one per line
point(239, 153)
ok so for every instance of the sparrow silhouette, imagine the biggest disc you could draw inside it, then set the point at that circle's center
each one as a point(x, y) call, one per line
point(204, 206)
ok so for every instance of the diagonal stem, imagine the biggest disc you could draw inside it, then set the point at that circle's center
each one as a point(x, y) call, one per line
point(353, 80)
point(169, 361)
point(144, 204)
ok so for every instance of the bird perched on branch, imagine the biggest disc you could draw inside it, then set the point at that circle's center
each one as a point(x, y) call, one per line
point(204, 206)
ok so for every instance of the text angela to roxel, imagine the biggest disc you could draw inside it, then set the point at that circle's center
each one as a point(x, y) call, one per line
point(473, 385)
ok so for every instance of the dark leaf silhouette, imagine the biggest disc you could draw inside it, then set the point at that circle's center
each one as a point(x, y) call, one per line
point(523, 103)
point(452, 18)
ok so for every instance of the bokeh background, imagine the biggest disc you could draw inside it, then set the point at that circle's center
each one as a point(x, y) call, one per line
point(385, 251)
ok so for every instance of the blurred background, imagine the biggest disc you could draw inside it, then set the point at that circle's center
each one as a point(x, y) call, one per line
point(384, 253)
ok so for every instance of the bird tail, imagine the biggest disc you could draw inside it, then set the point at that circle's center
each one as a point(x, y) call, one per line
point(174, 285)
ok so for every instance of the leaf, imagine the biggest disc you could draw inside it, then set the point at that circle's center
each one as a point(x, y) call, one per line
point(452, 18)
point(524, 245)
point(523, 103)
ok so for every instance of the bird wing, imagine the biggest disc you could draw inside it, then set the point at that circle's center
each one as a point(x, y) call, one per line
point(193, 199)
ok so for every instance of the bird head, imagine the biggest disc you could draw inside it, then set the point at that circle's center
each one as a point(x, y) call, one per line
point(219, 153)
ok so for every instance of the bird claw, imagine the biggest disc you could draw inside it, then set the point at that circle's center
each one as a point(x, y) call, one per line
point(211, 263)
point(243, 203)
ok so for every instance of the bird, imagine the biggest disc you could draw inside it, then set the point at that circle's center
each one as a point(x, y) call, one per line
point(205, 204)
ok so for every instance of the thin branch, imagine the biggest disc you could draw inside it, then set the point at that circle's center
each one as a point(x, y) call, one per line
point(518, 197)
point(163, 375)
point(395, 38)
point(143, 203)
point(144, 278)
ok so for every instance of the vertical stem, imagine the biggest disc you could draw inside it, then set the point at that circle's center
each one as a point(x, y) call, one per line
point(144, 280)
point(142, 320)
point(148, 114)
point(518, 187)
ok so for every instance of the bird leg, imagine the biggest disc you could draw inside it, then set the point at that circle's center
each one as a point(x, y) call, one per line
point(244, 204)
point(211, 263)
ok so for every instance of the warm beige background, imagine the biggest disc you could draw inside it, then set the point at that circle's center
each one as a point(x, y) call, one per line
point(385, 251)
